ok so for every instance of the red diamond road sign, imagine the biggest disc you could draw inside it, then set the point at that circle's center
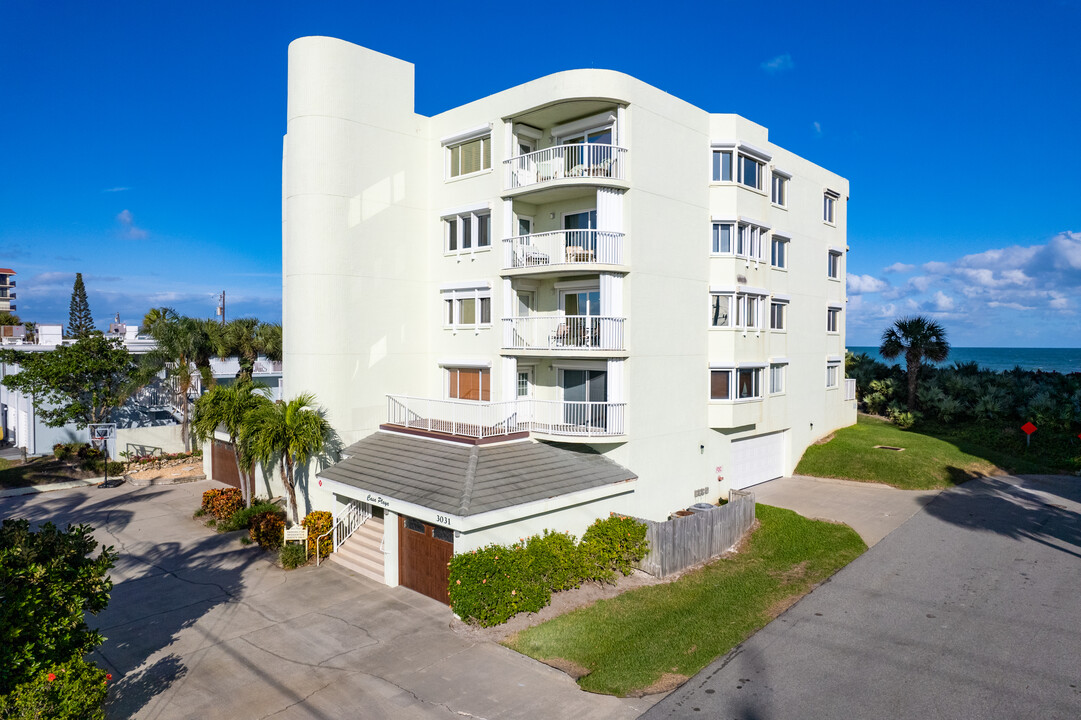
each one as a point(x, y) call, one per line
point(1029, 428)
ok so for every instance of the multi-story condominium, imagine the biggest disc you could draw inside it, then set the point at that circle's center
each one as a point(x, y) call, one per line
point(577, 296)
point(7, 290)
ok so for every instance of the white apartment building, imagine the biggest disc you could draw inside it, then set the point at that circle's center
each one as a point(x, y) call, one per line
point(577, 296)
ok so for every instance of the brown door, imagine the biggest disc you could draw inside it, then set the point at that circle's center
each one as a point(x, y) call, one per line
point(424, 552)
point(223, 464)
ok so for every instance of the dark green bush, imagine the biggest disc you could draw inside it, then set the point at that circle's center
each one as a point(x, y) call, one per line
point(556, 560)
point(268, 529)
point(493, 584)
point(67, 452)
point(292, 556)
point(614, 544)
point(70, 691)
point(242, 518)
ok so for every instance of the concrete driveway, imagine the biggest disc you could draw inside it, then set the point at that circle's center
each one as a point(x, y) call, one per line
point(968, 610)
point(202, 627)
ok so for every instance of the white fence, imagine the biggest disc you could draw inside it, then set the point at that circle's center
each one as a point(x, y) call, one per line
point(563, 247)
point(682, 542)
point(490, 419)
point(563, 332)
point(575, 160)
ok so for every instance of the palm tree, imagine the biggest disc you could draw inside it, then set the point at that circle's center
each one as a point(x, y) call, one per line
point(183, 347)
point(269, 336)
point(291, 433)
point(239, 338)
point(230, 406)
point(917, 337)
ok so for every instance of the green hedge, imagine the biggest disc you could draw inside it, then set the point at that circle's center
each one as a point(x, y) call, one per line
point(493, 584)
point(74, 690)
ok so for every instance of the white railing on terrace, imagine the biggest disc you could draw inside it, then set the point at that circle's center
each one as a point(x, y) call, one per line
point(491, 419)
point(850, 388)
point(576, 160)
point(563, 332)
point(563, 247)
point(346, 522)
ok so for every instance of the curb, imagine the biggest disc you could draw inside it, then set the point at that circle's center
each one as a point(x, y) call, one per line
point(66, 485)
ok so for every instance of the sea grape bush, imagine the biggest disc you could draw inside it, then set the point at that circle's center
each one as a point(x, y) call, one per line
point(490, 585)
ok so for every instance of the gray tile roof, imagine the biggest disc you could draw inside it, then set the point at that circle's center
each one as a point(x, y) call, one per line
point(471, 479)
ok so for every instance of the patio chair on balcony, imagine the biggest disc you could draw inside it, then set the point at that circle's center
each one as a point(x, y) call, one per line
point(559, 337)
point(579, 254)
point(605, 168)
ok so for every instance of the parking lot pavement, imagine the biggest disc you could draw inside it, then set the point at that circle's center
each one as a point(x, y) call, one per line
point(200, 626)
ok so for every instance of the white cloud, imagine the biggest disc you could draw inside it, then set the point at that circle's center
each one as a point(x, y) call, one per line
point(899, 267)
point(779, 64)
point(858, 284)
point(129, 229)
point(935, 267)
point(818, 127)
point(942, 301)
point(116, 189)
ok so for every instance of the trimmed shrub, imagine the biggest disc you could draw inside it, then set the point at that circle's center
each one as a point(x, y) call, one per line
point(292, 556)
point(268, 529)
point(493, 584)
point(222, 503)
point(319, 522)
point(614, 544)
point(557, 560)
point(74, 690)
point(242, 518)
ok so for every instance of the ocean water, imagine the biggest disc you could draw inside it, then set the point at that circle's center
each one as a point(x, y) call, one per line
point(1063, 360)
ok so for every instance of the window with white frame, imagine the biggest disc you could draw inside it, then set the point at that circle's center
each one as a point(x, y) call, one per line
point(750, 171)
point(748, 311)
point(722, 238)
point(735, 310)
point(722, 166)
point(832, 316)
point(778, 252)
point(829, 206)
point(749, 241)
point(779, 189)
point(777, 378)
point(469, 157)
point(833, 265)
point(467, 308)
point(833, 374)
point(739, 383)
point(467, 232)
point(776, 315)
point(720, 310)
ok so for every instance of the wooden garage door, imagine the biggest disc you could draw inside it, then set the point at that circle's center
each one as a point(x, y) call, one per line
point(757, 459)
point(423, 553)
point(223, 464)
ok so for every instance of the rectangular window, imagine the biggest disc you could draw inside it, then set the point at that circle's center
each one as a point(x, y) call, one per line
point(720, 384)
point(779, 194)
point(749, 241)
point(828, 203)
point(722, 239)
point(470, 157)
point(778, 253)
point(776, 316)
point(468, 308)
point(722, 166)
point(468, 231)
point(753, 303)
point(748, 382)
point(833, 372)
point(831, 319)
point(833, 265)
point(750, 172)
point(469, 384)
point(720, 307)
point(776, 379)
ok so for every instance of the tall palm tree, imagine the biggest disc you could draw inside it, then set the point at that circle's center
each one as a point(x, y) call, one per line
point(230, 406)
point(182, 347)
point(269, 336)
point(918, 338)
point(240, 339)
point(291, 433)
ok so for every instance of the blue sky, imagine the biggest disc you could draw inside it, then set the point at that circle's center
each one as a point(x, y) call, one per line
point(141, 141)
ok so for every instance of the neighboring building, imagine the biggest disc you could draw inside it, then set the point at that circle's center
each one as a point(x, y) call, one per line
point(7, 290)
point(583, 261)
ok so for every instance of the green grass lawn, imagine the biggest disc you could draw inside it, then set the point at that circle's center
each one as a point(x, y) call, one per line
point(629, 642)
point(925, 463)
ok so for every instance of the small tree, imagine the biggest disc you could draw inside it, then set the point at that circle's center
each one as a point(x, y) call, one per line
point(230, 406)
point(80, 320)
point(290, 433)
point(7, 318)
point(80, 383)
point(48, 581)
point(917, 337)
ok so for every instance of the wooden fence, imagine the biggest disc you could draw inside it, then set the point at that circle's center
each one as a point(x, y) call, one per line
point(682, 542)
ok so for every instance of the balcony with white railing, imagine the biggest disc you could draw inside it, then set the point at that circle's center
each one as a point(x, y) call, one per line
point(563, 162)
point(480, 420)
point(574, 333)
point(550, 250)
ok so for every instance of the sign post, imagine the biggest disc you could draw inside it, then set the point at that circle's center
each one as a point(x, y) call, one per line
point(1029, 428)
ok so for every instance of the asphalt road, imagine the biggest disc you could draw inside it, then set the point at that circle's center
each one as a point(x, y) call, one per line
point(971, 609)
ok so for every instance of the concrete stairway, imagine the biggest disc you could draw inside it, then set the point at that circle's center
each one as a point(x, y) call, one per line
point(361, 553)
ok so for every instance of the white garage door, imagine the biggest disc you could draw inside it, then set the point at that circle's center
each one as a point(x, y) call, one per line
point(757, 459)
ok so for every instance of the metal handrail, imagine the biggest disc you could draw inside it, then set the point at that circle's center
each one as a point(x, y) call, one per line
point(346, 522)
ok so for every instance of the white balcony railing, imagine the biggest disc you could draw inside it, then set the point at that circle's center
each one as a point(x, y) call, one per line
point(850, 388)
point(563, 332)
point(576, 160)
point(491, 419)
point(563, 247)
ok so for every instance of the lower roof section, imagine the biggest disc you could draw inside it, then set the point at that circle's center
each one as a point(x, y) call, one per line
point(464, 481)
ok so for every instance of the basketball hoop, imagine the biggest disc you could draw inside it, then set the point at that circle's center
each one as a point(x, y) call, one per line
point(100, 435)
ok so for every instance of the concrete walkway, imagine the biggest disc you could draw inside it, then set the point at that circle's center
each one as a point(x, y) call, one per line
point(872, 510)
point(200, 626)
point(50, 487)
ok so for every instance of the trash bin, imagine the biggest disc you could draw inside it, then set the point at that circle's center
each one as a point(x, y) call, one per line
point(701, 507)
